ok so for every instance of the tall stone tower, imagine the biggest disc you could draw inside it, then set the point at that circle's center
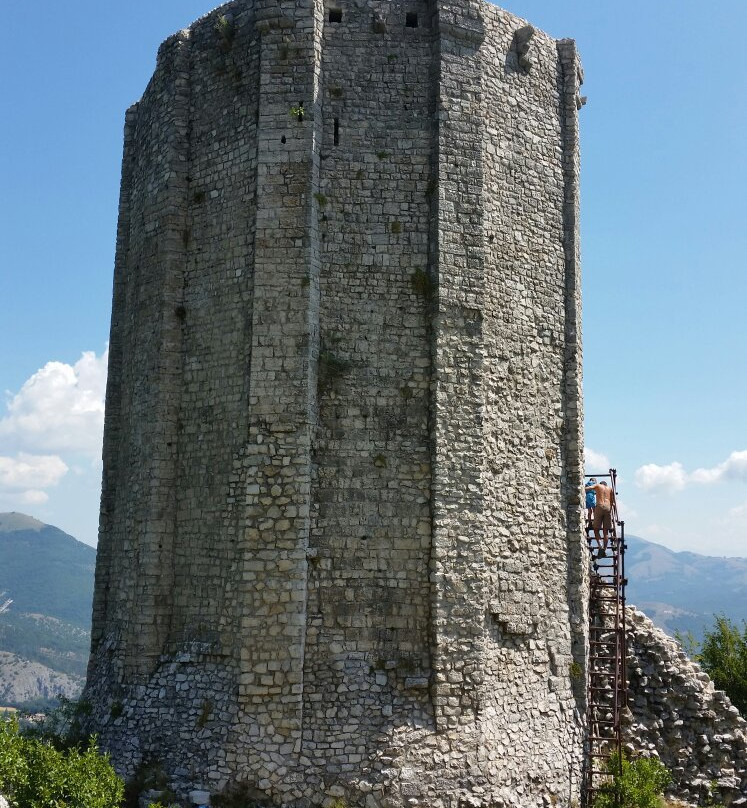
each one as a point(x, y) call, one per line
point(340, 554)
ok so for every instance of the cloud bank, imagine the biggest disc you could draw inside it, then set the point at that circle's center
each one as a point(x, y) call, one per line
point(671, 478)
point(59, 411)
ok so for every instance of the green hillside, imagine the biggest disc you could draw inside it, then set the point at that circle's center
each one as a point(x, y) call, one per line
point(45, 571)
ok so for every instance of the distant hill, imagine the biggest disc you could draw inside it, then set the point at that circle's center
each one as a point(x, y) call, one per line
point(45, 633)
point(681, 591)
point(45, 570)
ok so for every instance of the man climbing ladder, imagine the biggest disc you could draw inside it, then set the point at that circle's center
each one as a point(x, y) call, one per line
point(605, 501)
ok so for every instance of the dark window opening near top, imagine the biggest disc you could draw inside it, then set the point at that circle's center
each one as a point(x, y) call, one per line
point(411, 20)
point(335, 15)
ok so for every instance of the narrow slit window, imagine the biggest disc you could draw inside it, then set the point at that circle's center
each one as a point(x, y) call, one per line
point(335, 15)
point(337, 132)
point(411, 20)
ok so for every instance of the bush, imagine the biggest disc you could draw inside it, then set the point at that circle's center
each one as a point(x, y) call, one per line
point(640, 785)
point(35, 774)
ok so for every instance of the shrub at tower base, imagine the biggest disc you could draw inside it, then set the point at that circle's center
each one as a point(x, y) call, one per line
point(35, 774)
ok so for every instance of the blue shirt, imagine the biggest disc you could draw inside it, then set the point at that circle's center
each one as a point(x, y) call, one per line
point(591, 499)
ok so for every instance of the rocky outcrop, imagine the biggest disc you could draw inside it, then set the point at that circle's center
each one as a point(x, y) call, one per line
point(22, 680)
point(677, 714)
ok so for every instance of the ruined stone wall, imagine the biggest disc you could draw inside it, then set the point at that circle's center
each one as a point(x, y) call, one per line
point(677, 714)
point(345, 357)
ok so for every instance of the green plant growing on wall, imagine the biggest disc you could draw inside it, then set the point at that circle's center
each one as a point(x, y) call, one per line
point(205, 713)
point(396, 227)
point(382, 155)
point(335, 92)
point(380, 461)
point(574, 670)
point(421, 283)
point(117, 709)
point(297, 111)
point(321, 200)
point(331, 369)
point(226, 31)
point(637, 783)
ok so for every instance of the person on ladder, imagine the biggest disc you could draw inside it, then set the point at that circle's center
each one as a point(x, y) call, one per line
point(591, 501)
point(605, 497)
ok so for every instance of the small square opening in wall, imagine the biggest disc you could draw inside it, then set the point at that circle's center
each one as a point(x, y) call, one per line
point(335, 15)
point(411, 19)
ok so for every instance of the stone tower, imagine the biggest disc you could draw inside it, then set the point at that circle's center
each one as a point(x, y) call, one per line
point(340, 553)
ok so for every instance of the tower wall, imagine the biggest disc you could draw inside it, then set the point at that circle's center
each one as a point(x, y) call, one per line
point(340, 552)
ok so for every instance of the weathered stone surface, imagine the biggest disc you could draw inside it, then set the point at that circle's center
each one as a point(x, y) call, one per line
point(676, 713)
point(340, 552)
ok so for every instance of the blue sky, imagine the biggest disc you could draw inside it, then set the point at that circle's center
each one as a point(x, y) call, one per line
point(664, 242)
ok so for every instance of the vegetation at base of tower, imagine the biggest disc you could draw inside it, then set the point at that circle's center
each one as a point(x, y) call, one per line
point(149, 776)
point(723, 656)
point(63, 725)
point(35, 773)
point(239, 795)
point(640, 784)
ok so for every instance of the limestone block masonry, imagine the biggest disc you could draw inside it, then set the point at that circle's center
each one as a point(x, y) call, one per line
point(676, 713)
point(340, 555)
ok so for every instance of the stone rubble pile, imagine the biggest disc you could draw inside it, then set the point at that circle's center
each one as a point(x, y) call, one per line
point(676, 714)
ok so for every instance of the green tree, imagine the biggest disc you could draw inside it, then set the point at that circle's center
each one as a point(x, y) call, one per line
point(35, 774)
point(723, 656)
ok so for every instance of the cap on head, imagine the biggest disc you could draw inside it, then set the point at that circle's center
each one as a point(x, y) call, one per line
point(593, 480)
point(603, 483)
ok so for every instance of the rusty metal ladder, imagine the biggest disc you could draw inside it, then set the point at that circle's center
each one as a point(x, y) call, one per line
point(607, 680)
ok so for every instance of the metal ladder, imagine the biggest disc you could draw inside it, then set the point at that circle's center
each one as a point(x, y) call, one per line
point(607, 680)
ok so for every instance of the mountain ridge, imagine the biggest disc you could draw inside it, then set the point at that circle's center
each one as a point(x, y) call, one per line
point(682, 590)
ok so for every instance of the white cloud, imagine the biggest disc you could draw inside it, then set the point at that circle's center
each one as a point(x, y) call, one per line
point(739, 512)
point(733, 468)
point(595, 462)
point(34, 497)
point(60, 408)
point(674, 477)
point(29, 473)
point(661, 478)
